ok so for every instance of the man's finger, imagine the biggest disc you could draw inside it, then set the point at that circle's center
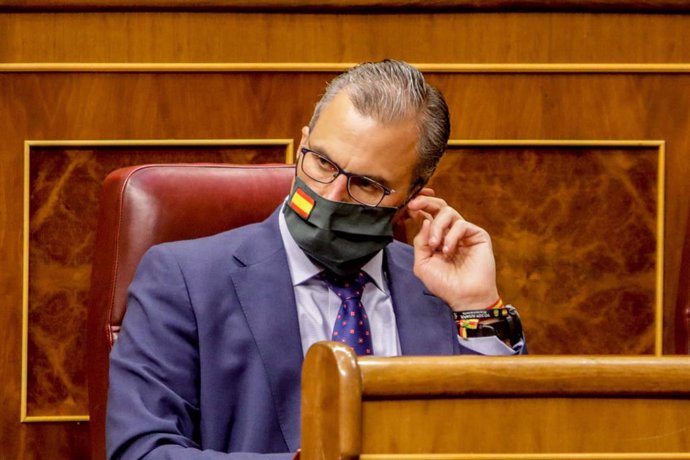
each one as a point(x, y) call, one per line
point(464, 233)
point(429, 204)
point(421, 242)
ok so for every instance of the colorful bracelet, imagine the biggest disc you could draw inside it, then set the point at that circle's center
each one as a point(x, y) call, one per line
point(497, 304)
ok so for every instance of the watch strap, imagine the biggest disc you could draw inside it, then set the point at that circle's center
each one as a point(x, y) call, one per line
point(503, 323)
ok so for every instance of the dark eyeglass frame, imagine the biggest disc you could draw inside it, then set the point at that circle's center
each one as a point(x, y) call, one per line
point(386, 190)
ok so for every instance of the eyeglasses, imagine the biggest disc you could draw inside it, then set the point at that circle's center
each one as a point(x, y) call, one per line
point(360, 188)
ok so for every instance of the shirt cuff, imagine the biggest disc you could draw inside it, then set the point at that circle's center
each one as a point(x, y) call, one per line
point(491, 346)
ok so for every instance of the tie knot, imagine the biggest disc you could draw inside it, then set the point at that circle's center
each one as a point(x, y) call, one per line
point(345, 287)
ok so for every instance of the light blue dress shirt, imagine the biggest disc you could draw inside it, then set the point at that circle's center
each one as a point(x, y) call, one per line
point(317, 306)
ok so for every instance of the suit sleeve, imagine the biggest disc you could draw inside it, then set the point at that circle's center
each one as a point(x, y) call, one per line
point(153, 400)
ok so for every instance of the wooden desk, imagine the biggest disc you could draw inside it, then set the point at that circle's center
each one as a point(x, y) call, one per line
point(471, 407)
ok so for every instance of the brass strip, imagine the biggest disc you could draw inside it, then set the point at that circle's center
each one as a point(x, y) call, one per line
point(531, 456)
point(660, 215)
point(354, 6)
point(24, 417)
point(289, 158)
point(555, 143)
point(156, 142)
point(25, 287)
point(229, 67)
point(55, 418)
point(661, 174)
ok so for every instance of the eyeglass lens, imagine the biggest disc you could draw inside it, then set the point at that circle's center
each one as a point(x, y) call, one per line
point(323, 170)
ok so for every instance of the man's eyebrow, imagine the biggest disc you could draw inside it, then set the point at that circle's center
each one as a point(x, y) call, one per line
point(325, 154)
point(319, 151)
point(379, 179)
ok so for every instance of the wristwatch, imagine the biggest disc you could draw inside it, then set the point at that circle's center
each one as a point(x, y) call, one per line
point(503, 323)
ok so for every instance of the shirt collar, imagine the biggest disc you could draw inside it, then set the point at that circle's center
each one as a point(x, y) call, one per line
point(303, 269)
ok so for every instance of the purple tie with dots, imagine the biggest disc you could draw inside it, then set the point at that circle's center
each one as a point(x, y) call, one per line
point(351, 325)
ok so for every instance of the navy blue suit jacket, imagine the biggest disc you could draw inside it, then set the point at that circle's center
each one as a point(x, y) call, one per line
point(210, 355)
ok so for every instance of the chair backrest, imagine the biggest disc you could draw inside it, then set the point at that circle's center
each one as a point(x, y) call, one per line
point(145, 205)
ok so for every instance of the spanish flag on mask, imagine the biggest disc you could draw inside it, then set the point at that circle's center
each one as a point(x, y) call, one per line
point(301, 203)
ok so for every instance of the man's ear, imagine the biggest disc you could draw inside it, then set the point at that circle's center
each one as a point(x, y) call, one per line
point(401, 214)
point(402, 217)
point(419, 189)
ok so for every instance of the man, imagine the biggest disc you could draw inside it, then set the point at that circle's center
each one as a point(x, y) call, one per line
point(208, 361)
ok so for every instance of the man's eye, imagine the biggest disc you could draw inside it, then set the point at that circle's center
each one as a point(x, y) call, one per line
point(324, 164)
point(366, 185)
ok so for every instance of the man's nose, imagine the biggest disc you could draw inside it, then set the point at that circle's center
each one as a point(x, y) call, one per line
point(337, 190)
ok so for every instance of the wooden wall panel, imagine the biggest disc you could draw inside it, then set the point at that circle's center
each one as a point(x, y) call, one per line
point(610, 77)
point(64, 188)
point(577, 426)
point(321, 37)
point(575, 230)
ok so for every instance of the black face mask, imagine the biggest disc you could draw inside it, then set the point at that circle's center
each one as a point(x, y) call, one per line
point(340, 236)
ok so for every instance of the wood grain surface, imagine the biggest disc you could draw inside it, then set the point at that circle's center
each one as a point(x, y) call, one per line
point(516, 406)
point(580, 100)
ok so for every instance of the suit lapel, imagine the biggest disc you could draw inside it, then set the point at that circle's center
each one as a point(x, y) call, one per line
point(425, 325)
point(266, 295)
point(265, 292)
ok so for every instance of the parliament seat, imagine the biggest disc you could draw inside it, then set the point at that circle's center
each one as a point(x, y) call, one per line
point(149, 204)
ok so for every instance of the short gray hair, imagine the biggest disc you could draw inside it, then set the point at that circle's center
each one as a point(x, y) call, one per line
point(390, 91)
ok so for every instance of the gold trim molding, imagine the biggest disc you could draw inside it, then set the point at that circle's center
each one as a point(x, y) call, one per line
point(24, 417)
point(661, 175)
point(289, 158)
point(530, 456)
point(343, 6)
point(231, 67)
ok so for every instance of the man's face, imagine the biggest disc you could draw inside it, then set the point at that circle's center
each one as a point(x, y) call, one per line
point(361, 145)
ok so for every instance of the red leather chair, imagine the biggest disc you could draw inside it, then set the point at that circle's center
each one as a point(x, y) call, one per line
point(145, 205)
